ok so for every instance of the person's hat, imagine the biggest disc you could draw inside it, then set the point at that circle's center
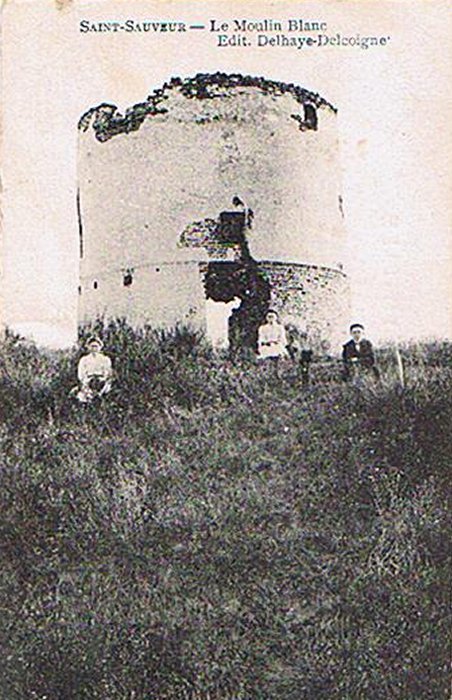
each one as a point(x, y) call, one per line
point(356, 325)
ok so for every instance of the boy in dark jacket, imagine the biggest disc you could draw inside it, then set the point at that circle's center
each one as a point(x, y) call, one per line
point(358, 354)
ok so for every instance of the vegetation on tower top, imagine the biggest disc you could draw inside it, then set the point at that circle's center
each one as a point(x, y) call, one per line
point(107, 121)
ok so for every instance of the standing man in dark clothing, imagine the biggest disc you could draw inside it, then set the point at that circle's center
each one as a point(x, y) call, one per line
point(300, 353)
point(358, 354)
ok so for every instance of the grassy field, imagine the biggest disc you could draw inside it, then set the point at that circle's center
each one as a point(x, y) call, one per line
point(209, 533)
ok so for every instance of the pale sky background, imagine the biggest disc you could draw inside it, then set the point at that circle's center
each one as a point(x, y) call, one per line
point(395, 110)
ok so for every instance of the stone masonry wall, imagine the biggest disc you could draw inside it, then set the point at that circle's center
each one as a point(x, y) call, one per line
point(315, 299)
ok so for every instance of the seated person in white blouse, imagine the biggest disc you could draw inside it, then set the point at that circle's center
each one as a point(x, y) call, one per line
point(272, 339)
point(94, 372)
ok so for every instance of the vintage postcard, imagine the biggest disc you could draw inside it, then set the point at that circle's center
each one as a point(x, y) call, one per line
point(226, 359)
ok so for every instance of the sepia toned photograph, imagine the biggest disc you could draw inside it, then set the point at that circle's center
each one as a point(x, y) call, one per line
point(225, 350)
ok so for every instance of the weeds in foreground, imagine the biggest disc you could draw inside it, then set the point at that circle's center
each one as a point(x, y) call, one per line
point(210, 534)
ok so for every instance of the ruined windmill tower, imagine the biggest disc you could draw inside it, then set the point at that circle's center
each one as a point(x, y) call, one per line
point(155, 201)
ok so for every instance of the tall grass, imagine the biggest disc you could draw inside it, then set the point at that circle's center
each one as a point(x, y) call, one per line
point(211, 533)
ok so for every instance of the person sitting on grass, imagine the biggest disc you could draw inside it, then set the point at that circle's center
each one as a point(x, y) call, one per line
point(272, 340)
point(358, 354)
point(94, 372)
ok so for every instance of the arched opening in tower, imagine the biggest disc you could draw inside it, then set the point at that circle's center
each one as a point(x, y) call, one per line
point(310, 116)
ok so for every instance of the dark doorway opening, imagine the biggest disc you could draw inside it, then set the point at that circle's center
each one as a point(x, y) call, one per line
point(225, 281)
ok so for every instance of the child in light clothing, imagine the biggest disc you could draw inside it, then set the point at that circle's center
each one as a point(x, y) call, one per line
point(94, 372)
point(272, 340)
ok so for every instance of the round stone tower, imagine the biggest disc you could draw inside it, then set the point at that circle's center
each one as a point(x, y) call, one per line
point(159, 186)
